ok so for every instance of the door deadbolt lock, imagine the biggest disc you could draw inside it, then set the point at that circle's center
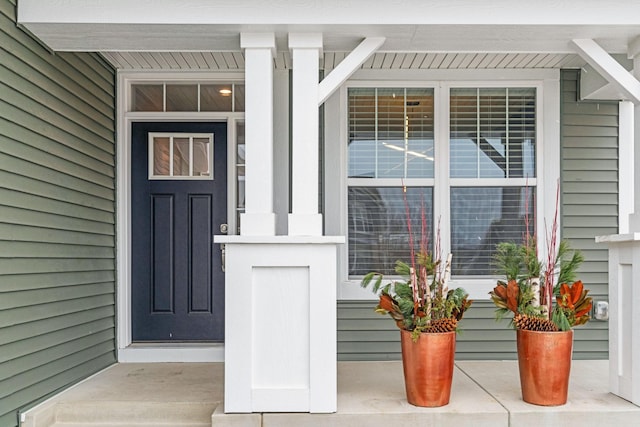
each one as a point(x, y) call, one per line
point(224, 228)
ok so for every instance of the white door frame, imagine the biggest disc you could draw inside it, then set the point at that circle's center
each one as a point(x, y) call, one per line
point(160, 352)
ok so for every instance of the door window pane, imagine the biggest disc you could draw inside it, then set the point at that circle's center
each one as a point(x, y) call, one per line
point(216, 97)
point(147, 97)
point(161, 156)
point(182, 97)
point(201, 156)
point(238, 97)
point(181, 156)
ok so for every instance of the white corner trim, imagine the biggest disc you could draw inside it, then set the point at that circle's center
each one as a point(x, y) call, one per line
point(608, 67)
point(347, 67)
point(625, 164)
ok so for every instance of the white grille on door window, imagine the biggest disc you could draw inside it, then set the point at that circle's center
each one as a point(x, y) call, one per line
point(180, 156)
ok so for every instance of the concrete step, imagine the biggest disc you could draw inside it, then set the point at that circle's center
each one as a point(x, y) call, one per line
point(129, 425)
point(132, 412)
point(164, 394)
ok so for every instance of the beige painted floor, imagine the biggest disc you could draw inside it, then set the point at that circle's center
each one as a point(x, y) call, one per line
point(370, 394)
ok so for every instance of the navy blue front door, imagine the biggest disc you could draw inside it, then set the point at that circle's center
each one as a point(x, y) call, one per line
point(176, 273)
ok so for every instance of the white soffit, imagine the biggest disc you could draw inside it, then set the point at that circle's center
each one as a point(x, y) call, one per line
point(230, 61)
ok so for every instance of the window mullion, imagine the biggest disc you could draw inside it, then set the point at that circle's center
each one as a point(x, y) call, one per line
point(406, 133)
point(375, 131)
point(478, 132)
point(506, 133)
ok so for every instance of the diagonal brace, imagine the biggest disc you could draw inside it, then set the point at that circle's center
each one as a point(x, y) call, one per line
point(347, 67)
point(609, 68)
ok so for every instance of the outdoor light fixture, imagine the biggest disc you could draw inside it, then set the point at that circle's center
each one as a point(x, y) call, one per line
point(225, 92)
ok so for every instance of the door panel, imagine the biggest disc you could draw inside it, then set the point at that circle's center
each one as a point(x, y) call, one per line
point(177, 278)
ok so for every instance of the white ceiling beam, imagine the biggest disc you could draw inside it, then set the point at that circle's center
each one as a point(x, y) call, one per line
point(347, 67)
point(352, 12)
point(609, 68)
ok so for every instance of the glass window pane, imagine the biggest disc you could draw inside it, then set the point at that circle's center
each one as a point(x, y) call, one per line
point(391, 133)
point(201, 157)
point(180, 156)
point(238, 97)
point(362, 133)
point(391, 136)
point(240, 140)
point(377, 226)
point(482, 217)
point(492, 132)
point(419, 133)
point(146, 97)
point(216, 97)
point(182, 97)
point(161, 156)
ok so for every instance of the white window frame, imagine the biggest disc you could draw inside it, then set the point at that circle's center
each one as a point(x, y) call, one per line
point(547, 85)
point(161, 352)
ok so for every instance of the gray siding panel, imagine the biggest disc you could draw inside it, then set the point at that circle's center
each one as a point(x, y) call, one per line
point(589, 150)
point(589, 138)
point(57, 218)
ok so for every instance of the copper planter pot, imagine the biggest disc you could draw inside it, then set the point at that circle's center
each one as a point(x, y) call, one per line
point(544, 359)
point(428, 367)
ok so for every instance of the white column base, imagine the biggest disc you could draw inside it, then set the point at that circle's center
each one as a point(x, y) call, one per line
point(305, 224)
point(634, 222)
point(624, 317)
point(258, 224)
point(280, 324)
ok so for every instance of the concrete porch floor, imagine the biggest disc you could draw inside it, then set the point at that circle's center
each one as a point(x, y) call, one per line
point(371, 394)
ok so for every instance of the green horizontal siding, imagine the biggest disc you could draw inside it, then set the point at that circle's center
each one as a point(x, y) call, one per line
point(589, 150)
point(57, 218)
point(589, 139)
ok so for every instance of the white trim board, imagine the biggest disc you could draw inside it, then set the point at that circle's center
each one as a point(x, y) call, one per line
point(159, 352)
point(170, 352)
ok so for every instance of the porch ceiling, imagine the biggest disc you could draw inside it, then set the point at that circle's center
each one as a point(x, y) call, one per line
point(230, 61)
point(202, 34)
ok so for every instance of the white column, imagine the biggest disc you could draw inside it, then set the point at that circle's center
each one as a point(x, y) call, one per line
point(258, 219)
point(626, 112)
point(304, 219)
point(634, 219)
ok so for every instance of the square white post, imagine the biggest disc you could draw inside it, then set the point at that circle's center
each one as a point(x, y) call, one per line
point(624, 319)
point(258, 218)
point(304, 219)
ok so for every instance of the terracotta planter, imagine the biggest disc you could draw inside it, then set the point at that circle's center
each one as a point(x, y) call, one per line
point(428, 367)
point(544, 359)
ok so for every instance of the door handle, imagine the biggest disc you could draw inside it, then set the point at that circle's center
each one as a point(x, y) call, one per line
point(223, 255)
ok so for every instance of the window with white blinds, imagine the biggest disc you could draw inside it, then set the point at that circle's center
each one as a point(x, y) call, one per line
point(391, 170)
point(490, 175)
point(391, 133)
point(492, 135)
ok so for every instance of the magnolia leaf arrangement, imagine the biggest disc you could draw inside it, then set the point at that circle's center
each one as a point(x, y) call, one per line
point(422, 300)
point(543, 295)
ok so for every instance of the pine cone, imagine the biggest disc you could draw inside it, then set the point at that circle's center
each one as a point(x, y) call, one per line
point(522, 321)
point(442, 325)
